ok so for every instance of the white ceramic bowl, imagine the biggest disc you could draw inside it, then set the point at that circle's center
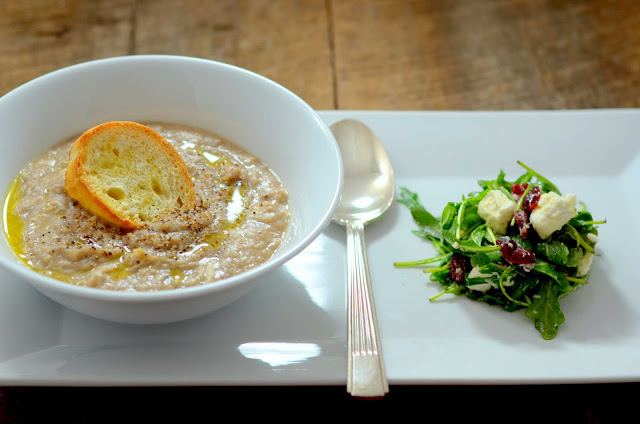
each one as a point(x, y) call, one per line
point(254, 112)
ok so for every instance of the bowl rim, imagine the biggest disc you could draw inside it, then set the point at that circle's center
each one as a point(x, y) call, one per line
point(48, 283)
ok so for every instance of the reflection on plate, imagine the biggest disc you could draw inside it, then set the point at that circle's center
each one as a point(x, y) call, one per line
point(292, 328)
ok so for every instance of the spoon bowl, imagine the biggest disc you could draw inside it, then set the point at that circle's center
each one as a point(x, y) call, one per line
point(368, 191)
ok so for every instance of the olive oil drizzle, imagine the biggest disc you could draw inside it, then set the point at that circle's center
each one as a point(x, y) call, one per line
point(13, 224)
point(235, 198)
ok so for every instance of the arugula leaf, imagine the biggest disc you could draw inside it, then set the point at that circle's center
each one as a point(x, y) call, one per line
point(525, 243)
point(448, 215)
point(424, 218)
point(583, 218)
point(548, 269)
point(485, 184)
point(484, 258)
point(455, 289)
point(438, 259)
point(478, 234)
point(575, 234)
point(523, 287)
point(555, 251)
point(472, 247)
point(545, 310)
point(575, 256)
point(428, 232)
point(420, 215)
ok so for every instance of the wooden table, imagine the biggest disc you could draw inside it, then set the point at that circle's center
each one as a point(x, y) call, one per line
point(349, 54)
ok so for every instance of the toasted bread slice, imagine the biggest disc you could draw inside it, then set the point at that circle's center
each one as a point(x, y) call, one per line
point(127, 174)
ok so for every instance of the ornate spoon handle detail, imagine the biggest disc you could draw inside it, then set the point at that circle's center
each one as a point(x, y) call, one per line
point(365, 373)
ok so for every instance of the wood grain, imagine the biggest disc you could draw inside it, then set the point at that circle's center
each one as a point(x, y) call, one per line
point(284, 40)
point(490, 54)
point(349, 54)
point(39, 36)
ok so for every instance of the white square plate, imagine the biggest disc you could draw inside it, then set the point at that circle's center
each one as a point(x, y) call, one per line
point(291, 329)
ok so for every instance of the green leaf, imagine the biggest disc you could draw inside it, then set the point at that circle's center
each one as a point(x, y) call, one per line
point(484, 258)
point(410, 199)
point(546, 185)
point(548, 269)
point(555, 251)
point(473, 199)
point(478, 234)
point(581, 219)
point(420, 215)
point(448, 215)
point(575, 256)
point(428, 232)
point(545, 310)
point(441, 276)
point(471, 247)
point(485, 184)
point(435, 259)
point(522, 287)
point(449, 234)
point(575, 234)
point(472, 219)
point(522, 242)
point(424, 218)
point(455, 289)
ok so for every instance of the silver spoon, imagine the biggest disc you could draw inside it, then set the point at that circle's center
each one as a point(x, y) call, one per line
point(368, 192)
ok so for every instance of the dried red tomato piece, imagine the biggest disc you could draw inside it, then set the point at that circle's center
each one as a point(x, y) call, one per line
point(514, 253)
point(458, 267)
point(531, 199)
point(518, 189)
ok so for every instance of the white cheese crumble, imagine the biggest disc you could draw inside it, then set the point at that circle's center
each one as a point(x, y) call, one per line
point(476, 273)
point(483, 287)
point(585, 264)
point(496, 208)
point(552, 212)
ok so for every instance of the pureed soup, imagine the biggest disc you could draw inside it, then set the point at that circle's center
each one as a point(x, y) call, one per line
point(240, 218)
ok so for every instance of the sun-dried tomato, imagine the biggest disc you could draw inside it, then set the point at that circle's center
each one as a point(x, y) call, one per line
point(458, 267)
point(518, 189)
point(514, 253)
point(531, 199)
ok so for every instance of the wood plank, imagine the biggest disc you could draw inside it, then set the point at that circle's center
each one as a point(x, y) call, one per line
point(39, 36)
point(491, 54)
point(284, 40)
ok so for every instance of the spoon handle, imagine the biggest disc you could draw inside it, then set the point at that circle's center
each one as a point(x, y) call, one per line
point(365, 371)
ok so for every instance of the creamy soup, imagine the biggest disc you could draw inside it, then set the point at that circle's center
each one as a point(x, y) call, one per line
point(239, 220)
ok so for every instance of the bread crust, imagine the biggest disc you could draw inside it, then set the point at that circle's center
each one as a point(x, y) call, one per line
point(81, 187)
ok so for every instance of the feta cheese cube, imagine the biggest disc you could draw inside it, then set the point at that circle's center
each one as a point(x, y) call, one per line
point(552, 212)
point(496, 208)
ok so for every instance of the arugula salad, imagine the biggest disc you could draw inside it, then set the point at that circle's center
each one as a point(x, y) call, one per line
point(518, 244)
